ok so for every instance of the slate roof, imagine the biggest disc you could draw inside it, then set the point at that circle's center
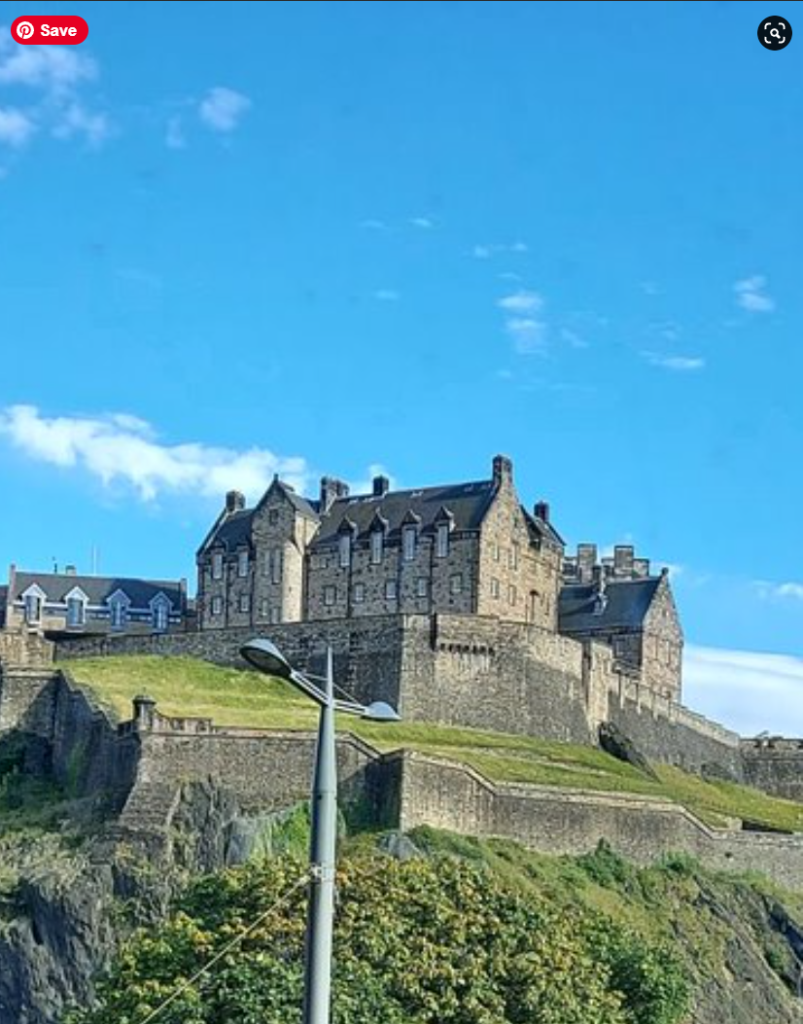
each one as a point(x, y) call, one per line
point(98, 588)
point(233, 532)
point(467, 503)
point(628, 602)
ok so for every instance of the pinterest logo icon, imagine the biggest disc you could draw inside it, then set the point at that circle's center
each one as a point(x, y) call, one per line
point(49, 30)
point(25, 30)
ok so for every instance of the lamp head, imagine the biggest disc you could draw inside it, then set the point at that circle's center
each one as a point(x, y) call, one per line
point(379, 711)
point(266, 657)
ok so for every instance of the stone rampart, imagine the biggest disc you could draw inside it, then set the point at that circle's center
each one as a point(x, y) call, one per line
point(774, 765)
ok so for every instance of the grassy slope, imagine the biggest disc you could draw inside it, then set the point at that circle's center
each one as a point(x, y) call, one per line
point(184, 687)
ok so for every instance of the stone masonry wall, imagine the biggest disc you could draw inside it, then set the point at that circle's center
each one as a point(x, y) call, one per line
point(558, 821)
point(775, 766)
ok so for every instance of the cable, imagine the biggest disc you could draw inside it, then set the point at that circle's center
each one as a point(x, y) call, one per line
point(227, 949)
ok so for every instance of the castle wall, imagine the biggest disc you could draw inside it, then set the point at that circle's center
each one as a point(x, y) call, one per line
point(558, 821)
point(775, 766)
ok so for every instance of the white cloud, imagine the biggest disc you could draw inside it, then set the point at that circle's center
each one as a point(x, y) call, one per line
point(122, 450)
point(779, 591)
point(76, 120)
point(56, 70)
point(374, 225)
point(747, 691)
point(174, 136)
point(573, 339)
point(482, 252)
point(529, 335)
point(387, 295)
point(678, 364)
point(16, 127)
point(751, 295)
point(424, 223)
point(367, 486)
point(485, 252)
point(222, 108)
point(522, 302)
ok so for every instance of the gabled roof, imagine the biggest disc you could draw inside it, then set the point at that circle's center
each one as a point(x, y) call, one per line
point(98, 589)
point(304, 507)
point(234, 530)
point(468, 503)
point(626, 607)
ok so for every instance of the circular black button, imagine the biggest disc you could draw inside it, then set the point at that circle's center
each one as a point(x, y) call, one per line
point(775, 33)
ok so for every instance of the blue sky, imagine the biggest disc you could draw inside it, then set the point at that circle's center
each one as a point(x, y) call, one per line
point(241, 238)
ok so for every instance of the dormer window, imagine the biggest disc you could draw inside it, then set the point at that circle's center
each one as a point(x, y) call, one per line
point(442, 541)
point(33, 609)
point(76, 612)
point(160, 618)
point(409, 537)
point(118, 615)
point(242, 564)
point(217, 565)
point(345, 550)
point(377, 547)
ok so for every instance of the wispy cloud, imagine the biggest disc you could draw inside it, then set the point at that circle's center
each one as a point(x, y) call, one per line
point(748, 691)
point(573, 339)
point(222, 109)
point(522, 302)
point(387, 295)
point(678, 364)
point(372, 224)
point(486, 252)
point(123, 450)
point(366, 486)
point(16, 127)
point(778, 591)
point(50, 83)
point(751, 295)
point(423, 223)
point(175, 137)
point(530, 335)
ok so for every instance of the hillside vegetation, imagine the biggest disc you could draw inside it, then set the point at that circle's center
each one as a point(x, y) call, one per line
point(185, 687)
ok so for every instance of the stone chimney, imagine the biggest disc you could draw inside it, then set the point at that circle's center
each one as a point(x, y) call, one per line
point(381, 486)
point(623, 556)
point(70, 570)
point(586, 560)
point(332, 490)
point(235, 502)
point(503, 471)
point(541, 511)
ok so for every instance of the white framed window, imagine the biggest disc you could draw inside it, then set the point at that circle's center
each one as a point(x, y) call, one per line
point(456, 584)
point(76, 612)
point(422, 587)
point(496, 589)
point(330, 596)
point(242, 564)
point(245, 603)
point(217, 565)
point(160, 617)
point(217, 605)
point(391, 590)
point(345, 551)
point(119, 615)
point(442, 541)
point(377, 547)
point(33, 609)
point(409, 543)
point(359, 593)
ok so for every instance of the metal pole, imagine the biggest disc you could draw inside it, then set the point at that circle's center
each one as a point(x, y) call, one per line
point(320, 915)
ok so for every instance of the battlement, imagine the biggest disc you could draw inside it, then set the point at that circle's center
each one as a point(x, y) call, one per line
point(587, 567)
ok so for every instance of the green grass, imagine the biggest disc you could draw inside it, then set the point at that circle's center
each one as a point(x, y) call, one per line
point(184, 687)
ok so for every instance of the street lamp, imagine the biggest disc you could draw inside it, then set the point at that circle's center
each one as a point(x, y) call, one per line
point(266, 657)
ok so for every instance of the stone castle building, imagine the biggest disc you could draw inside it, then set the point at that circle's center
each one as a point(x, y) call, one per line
point(469, 549)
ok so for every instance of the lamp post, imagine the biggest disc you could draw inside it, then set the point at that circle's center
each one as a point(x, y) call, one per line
point(266, 657)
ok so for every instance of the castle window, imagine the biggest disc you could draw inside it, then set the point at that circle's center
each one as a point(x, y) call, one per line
point(264, 609)
point(514, 556)
point(33, 609)
point(496, 589)
point(345, 551)
point(242, 564)
point(442, 543)
point(422, 587)
point(217, 605)
point(512, 595)
point(273, 517)
point(118, 615)
point(217, 566)
point(409, 539)
point(329, 596)
point(391, 590)
point(160, 617)
point(275, 616)
point(275, 557)
point(359, 593)
point(377, 547)
point(76, 612)
point(496, 551)
point(245, 603)
point(456, 584)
